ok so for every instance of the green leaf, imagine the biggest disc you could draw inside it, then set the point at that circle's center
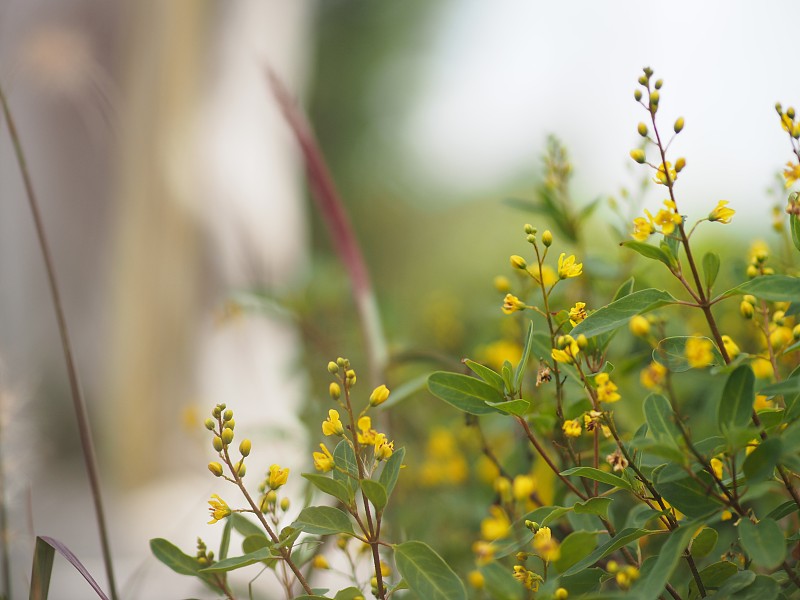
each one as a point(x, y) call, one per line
point(736, 404)
point(794, 225)
point(464, 392)
point(172, 556)
point(648, 251)
point(671, 352)
point(346, 471)
point(735, 583)
point(619, 312)
point(237, 562)
point(391, 470)
point(581, 583)
point(650, 587)
point(790, 385)
point(689, 495)
point(783, 510)
point(312, 597)
point(517, 407)
point(254, 542)
point(660, 419)
point(43, 558)
point(375, 493)
point(576, 546)
point(426, 573)
point(704, 542)
point(323, 520)
point(593, 506)
point(330, 486)
point(710, 268)
point(225, 542)
point(763, 542)
point(762, 587)
point(625, 289)
point(500, 582)
point(245, 526)
point(523, 362)
point(598, 475)
point(713, 576)
point(775, 288)
point(760, 464)
point(623, 538)
point(350, 593)
point(491, 377)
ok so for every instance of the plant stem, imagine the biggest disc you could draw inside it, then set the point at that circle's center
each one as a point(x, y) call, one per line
point(79, 405)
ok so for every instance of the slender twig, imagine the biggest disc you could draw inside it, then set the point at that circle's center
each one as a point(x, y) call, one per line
point(79, 405)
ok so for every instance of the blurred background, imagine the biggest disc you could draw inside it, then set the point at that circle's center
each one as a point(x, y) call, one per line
point(196, 270)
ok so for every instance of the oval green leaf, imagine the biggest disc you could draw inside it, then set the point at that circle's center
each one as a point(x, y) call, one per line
point(775, 288)
point(332, 487)
point(736, 404)
point(598, 475)
point(648, 251)
point(760, 464)
point(624, 537)
point(763, 542)
point(323, 520)
point(671, 353)
point(426, 573)
point(464, 392)
point(619, 312)
point(375, 493)
point(391, 470)
point(660, 419)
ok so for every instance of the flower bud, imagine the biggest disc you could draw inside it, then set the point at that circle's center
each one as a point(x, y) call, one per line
point(217, 443)
point(796, 332)
point(285, 503)
point(531, 238)
point(351, 377)
point(680, 164)
point(582, 341)
point(216, 412)
point(659, 83)
point(335, 391)
point(637, 95)
point(379, 395)
point(209, 423)
point(227, 436)
point(245, 447)
point(241, 469)
point(215, 468)
point(790, 112)
point(749, 298)
point(271, 497)
point(341, 362)
point(752, 271)
point(746, 309)
point(654, 98)
point(333, 368)
point(779, 108)
point(502, 284)
point(638, 155)
point(678, 125)
point(228, 415)
point(547, 238)
point(561, 594)
point(642, 129)
point(529, 229)
point(639, 326)
point(521, 557)
point(642, 80)
point(779, 317)
point(229, 424)
point(518, 262)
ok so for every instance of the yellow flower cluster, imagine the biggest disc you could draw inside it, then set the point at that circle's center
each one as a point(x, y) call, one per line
point(572, 428)
point(567, 353)
point(333, 426)
point(666, 174)
point(444, 464)
point(577, 313)
point(606, 389)
point(653, 375)
point(527, 578)
point(666, 218)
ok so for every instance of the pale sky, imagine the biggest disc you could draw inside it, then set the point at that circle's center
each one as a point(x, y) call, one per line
point(504, 74)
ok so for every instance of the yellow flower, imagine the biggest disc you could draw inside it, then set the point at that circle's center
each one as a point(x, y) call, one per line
point(577, 313)
point(496, 525)
point(523, 487)
point(698, 352)
point(277, 477)
point(379, 395)
point(667, 219)
point(568, 353)
point(366, 435)
point(639, 326)
point(730, 346)
point(726, 515)
point(716, 466)
point(653, 376)
point(791, 174)
point(606, 389)
point(751, 445)
point(496, 353)
point(323, 461)
point(721, 213)
point(512, 304)
point(663, 172)
point(476, 579)
point(780, 336)
point(383, 448)
point(333, 426)
point(572, 428)
point(762, 367)
point(320, 562)
point(502, 284)
point(759, 251)
point(567, 266)
point(527, 578)
point(545, 545)
point(219, 510)
point(762, 402)
point(484, 552)
point(643, 228)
